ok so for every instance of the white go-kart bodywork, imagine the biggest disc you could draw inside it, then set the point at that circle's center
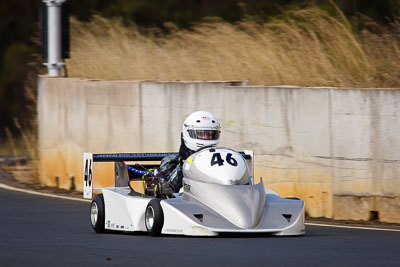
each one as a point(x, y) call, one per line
point(218, 196)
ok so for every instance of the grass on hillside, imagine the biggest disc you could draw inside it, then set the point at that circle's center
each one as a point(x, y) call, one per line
point(22, 146)
point(305, 48)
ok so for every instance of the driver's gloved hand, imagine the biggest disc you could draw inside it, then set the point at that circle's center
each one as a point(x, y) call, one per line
point(175, 178)
point(168, 189)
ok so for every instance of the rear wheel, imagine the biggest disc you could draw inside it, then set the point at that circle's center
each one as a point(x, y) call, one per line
point(154, 217)
point(97, 213)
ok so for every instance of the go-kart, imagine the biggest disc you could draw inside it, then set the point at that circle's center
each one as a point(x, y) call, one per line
point(218, 196)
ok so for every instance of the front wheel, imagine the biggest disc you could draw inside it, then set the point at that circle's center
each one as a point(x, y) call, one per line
point(154, 217)
point(97, 213)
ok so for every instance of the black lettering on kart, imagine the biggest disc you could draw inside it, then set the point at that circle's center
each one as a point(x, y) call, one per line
point(173, 231)
point(217, 159)
point(88, 172)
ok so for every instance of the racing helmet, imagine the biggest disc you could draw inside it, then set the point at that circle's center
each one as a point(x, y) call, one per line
point(200, 129)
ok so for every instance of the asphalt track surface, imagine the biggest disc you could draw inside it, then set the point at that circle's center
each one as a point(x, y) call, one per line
point(42, 231)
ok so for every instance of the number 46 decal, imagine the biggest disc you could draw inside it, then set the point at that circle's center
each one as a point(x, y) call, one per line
point(216, 159)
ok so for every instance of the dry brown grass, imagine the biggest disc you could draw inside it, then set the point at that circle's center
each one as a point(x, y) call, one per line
point(22, 143)
point(24, 149)
point(307, 47)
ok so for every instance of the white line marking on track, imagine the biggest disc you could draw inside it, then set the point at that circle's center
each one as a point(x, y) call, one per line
point(353, 227)
point(40, 194)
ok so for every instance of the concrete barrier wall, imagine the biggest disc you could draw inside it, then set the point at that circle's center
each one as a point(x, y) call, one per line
point(334, 148)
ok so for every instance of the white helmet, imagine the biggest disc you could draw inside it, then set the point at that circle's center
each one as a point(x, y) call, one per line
point(200, 129)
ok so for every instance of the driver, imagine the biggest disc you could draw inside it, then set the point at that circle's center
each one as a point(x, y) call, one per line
point(200, 129)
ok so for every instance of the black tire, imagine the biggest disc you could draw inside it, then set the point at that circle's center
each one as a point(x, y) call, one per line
point(154, 217)
point(97, 213)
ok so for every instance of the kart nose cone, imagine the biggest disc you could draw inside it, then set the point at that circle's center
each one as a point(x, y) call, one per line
point(242, 205)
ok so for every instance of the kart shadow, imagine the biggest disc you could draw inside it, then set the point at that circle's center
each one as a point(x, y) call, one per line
point(310, 233)
point(254, 235)
point(221, 235)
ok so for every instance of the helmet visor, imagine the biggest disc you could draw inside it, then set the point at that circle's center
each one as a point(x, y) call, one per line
point(204, 134)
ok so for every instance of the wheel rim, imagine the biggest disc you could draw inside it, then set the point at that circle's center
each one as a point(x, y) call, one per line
point(149, 217)
point(94, 212)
